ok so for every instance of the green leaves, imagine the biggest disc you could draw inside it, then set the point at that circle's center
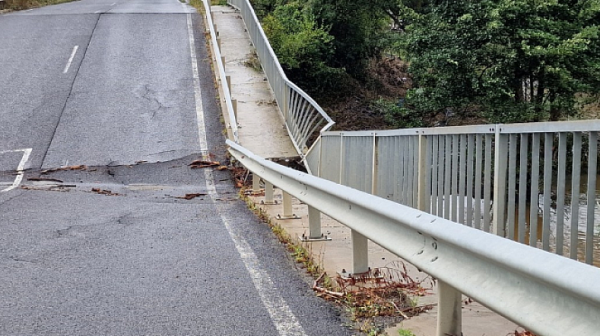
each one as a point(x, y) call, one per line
point(520, 60)
point(296, 38)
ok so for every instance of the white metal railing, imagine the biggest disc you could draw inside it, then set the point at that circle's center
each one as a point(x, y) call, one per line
point(221, 71)
point(543, 292)
point(497, 178)
point(304, 118)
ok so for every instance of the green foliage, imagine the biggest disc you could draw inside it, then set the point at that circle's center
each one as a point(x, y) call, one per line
point(518, 61)
point(321, 43)
point(405, 332)
point(302, 45)
point(361, 30)
point(296, 38)
point(26, 4)
point(396, 115)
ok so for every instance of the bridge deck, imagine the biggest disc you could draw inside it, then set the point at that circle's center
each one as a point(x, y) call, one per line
point(262, 129)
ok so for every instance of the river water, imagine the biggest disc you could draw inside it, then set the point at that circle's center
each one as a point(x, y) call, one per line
point(581, 222)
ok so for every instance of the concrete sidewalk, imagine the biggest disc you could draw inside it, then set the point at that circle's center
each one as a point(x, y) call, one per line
point(261, 126)
point(262, 131)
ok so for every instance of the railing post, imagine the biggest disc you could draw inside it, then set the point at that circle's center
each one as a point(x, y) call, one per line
point(449, 322)
point(500, 166)
point(374, 166)
point(422, 192)
point(360, 253)
point(286, 101)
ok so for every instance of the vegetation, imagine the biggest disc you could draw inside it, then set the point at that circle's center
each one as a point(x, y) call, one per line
point(405, 332)
point(27, 4)
point(514, 60)
point(491, 60)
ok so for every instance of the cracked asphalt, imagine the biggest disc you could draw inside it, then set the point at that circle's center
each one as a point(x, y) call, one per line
point(112, 248)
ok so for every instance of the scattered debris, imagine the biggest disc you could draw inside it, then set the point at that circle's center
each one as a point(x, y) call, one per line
point(191, 196)
point(250, 192)
point(228, 199)
point(271, 102)
point(522, 333)
point(240, 175)
point(222, 168)
point(105, 192)
point(41, 179)
point(386, 291)
point(53, 187)
point(77, 167)
point(204, 164)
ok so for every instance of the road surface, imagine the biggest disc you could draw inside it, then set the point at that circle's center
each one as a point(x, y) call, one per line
point(122, 92)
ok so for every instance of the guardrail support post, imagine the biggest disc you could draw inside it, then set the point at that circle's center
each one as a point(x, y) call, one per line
point(314, 223)
point(223, 62)
point(360, 253)
point(314, 227)
point(500, 167)
point(228, 79)
point(269, 194)
point(449, 321)
point(287, 208)
point(255, 183)
point(234, 105)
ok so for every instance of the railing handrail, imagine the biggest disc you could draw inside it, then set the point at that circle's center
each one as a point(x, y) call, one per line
point(534, 127)
point(281, 91)
point(545, 293)
point(221, 71)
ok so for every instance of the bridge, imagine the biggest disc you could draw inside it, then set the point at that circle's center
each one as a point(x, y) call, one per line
point(108, 229)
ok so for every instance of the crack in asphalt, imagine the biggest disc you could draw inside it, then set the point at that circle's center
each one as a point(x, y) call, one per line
point(70, 92)
point(150, 95)
point(11, 198)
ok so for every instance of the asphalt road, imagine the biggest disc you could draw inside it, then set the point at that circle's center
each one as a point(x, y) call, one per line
point(112, 248)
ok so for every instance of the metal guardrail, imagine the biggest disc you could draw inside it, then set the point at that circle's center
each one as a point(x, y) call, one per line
point(221, 70)
point(497, 178)
point(304, 118)
point(545, 293)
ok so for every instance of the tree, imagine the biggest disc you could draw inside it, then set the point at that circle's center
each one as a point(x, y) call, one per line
point(360, 30)
point(304, 48)
point(515, 60)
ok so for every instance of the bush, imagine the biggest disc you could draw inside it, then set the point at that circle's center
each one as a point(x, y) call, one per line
point(398, 115)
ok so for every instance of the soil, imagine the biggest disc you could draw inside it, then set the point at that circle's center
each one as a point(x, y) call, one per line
point(388, 79)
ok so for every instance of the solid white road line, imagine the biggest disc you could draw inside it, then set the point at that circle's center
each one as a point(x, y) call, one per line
point(283, 319)
point(197, 90)
point(70, 59)
point(20, 167)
